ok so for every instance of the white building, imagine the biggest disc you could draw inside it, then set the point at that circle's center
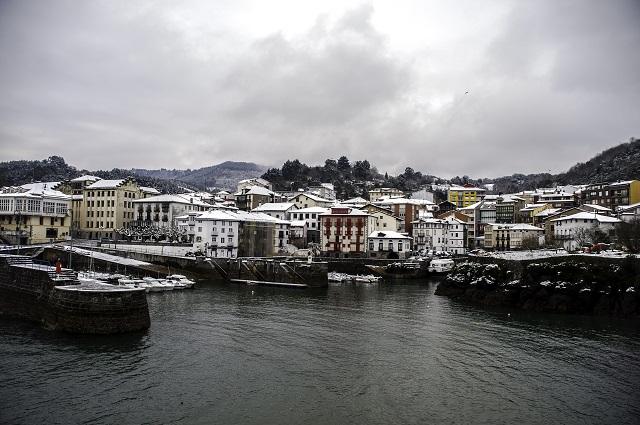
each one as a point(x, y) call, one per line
point(448, 235)
point(388, 244)
point(430, 233)
point(230, 233)
point(507, 236)
point(281, 210)
point(162, 210)
point(570, 229)
point(456, 237)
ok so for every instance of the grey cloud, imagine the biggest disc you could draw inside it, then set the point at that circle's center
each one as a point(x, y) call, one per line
point(115, 84)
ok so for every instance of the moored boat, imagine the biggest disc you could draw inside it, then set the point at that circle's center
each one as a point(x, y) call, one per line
point(441, 265)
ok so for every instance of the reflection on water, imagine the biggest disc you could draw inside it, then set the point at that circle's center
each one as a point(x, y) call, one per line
point(347, 354)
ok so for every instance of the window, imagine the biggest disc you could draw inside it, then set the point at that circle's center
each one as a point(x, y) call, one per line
point(221, 240)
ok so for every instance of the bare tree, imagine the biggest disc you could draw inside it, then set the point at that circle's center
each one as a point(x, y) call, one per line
point(628, 234)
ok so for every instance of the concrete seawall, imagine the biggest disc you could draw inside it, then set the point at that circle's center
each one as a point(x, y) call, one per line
point(569, 284)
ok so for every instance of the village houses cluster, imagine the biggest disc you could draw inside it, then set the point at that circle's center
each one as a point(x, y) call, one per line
point(258, 221)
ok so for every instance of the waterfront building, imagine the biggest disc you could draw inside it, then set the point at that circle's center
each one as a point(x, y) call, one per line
point(108, 205)
point(230, 233)
point(388, 244)
point(311, 216)
point(447, 235)
point(344, 231)
point(463, 196)
point(298, 233)
point(612, 195)
point(570, 229)
point(36, 214)
point(162, 210)
point(507, 236)
point(456, 236)
point(430, 233)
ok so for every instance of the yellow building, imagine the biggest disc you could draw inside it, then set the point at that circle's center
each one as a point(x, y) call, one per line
point(612, 195)
point(108, 205)
point(33, 215)
point(462, 196)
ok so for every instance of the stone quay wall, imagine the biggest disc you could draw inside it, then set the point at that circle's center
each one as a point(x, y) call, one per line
point(575, 284)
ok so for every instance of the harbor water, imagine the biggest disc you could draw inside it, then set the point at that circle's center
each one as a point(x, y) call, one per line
point(347, 354)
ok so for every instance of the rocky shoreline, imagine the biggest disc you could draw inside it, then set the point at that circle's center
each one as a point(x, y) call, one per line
point(569, 284)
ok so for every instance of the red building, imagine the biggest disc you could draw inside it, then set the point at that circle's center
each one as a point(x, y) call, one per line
point(344, 232)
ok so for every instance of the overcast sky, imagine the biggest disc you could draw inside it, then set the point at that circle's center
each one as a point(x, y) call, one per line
point(449, 88)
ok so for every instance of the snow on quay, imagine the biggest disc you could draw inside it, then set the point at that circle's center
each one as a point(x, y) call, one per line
point(107, 257)
point(547, 253)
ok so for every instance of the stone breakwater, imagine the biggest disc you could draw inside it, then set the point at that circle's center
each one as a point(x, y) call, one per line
point(570, 284)
point(29, 291)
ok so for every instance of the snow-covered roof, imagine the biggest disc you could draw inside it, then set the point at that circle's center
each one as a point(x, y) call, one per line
point(327, 186)
point(106, 184)
point(344, 211)
point(86, 177)
point(459, 188)
point(255, 190)
point(274, 206)
point(313, 197)
point(624, 183)
point(516, 226)
point(35, 193)
point(356, 200)
point(597, 207)
point(40, 186)
point(585, 215)
point(178, 199)
point(146, 189)
point(402, 201)
point(388, 234)
point(312, 210)
point(623, 208)
point(547, 212)
point(472, 206)
point(531, 207)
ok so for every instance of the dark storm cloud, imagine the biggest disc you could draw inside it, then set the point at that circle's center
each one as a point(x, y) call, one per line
point(106, 84)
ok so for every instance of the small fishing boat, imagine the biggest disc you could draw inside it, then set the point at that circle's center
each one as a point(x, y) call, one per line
point(180, 281)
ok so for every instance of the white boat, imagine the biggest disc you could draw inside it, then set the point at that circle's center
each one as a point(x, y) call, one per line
point(367, 279)
point(129, 283)
point(180, 281)
point(441, 265)
point(154, 285)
